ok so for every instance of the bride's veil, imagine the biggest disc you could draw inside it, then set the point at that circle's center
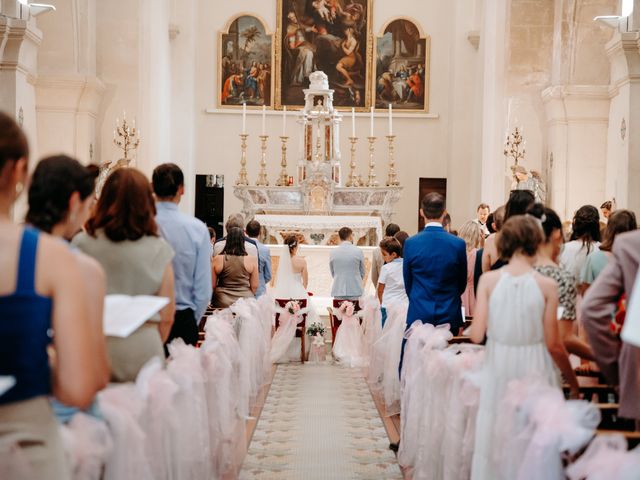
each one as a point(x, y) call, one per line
point(286, 284)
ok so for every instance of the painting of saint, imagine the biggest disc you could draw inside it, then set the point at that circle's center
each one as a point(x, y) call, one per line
point(402, 67)
point(244, 65)
point(327, 35)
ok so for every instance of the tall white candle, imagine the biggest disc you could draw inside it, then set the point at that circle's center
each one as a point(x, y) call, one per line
point(284, 121)
point(353, 122)
point(390, 120)
point(371, 126)
point(244, 118)
point(264, 119)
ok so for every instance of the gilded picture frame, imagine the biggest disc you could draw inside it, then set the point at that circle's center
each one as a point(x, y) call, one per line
point(402, 71)
point(327, 35)
point(245, 63)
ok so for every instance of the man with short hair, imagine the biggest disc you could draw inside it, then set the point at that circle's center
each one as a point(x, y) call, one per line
point(189, 239)
point(236, 220)
point(435, 269)
point(377, 260)
point(347, 268)
point(264, 257)
point(482, 213)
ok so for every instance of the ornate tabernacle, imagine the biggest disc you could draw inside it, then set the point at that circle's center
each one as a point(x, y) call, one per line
point(319, 189)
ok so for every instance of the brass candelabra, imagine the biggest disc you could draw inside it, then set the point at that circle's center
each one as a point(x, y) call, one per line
point(283, 179)
point(371, 181)
point(242, 176)
point(512, 146)
point(126, 137)
point(263, 181)
point(392, 177)
point(352, 180)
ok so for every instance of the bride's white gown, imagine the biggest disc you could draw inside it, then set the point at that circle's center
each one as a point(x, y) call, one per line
point(285, 347)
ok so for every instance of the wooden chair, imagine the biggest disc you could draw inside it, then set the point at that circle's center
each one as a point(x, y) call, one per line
point(335, 321)
point(301, 329)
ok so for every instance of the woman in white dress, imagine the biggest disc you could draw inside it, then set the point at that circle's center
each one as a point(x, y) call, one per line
point(516, 309)
point(291, 283)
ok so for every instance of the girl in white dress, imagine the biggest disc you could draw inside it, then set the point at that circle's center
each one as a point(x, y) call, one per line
point(516, 309)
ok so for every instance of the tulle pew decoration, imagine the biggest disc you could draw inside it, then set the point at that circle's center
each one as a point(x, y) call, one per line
point(227, 394)
point(384, 358)
point(192, 444)
point(88, 443)
point(606, 458)
point(290, 316)
point(371, 323)
point(538, 429)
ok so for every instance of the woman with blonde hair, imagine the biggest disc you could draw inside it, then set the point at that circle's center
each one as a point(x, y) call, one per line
point(473, 236)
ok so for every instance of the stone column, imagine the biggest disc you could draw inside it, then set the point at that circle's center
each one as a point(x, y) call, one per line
point(623, 152)
point(577, 119)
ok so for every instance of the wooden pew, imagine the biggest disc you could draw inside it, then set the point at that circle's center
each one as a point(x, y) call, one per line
point(633, 438)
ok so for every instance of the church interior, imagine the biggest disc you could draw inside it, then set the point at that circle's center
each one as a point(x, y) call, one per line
point(319, 239)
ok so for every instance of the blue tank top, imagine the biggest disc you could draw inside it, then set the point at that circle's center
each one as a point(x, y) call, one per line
point(25, 322)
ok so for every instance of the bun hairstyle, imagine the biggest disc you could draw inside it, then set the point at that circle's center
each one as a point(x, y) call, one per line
point(292, 242)
point(548, 218)
point(53, 182)
point(521, 233)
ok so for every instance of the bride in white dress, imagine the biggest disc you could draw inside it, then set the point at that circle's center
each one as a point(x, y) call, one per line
point(291, 283)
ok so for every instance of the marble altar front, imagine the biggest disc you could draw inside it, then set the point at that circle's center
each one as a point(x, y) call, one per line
point(320, 229)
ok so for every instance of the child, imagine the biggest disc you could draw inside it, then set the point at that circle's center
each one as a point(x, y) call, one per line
point(391, 282)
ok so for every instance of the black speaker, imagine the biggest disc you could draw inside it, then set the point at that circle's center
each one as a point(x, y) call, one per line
point(210, 201)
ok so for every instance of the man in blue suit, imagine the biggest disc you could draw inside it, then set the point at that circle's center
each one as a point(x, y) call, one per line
point(435, 270)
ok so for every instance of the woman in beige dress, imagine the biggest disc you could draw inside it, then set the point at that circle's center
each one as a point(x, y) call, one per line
point(122, 235)
point(234, 273)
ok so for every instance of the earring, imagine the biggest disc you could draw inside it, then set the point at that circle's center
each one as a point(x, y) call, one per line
point(19, 188)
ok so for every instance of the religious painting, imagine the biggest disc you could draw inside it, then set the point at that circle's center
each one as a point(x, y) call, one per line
point(245, 64)
point(330, 36)
point(402, 67)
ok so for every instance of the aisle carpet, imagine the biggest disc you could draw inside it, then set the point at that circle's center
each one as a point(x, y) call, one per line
point(319, 423)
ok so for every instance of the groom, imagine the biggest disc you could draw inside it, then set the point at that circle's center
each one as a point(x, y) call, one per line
point(347, 268)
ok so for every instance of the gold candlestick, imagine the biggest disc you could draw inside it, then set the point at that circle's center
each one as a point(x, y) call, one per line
point(371, 181)
point(283, 179)
point(352, 180)
point(127, 139)
point(263, 181)
point(242, 176)
point(392, 178)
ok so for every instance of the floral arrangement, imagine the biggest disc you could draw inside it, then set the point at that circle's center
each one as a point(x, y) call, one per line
point(347, 309)
point(315, 329)
point(293, 307)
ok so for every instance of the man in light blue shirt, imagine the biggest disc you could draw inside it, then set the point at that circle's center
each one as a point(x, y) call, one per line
point(189, 238)
point(264, 257)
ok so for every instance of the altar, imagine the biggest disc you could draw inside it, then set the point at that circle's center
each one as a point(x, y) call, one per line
point(320, 229)
point(315, 203)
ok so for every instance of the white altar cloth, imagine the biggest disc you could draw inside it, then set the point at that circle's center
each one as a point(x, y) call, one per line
point(317, 229)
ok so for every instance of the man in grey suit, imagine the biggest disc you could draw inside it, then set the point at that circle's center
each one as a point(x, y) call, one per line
point(619, 361)
point(347, 268)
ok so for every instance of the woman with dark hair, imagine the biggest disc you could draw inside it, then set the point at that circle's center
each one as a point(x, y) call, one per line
point(620, 221)
point(41, 291)
point(516, 309)
point(122, 236)
point(234, 273)
point(585, 238)
point(547, 265)
point(61, 195)
point(519, 203)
